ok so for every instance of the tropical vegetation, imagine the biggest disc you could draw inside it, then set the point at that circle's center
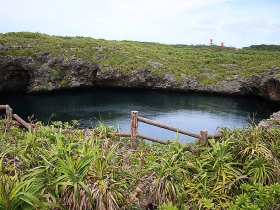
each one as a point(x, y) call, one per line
point(206, 64)
point(57, 166)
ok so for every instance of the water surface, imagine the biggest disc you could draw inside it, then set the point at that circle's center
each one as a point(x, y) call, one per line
point(189, 111)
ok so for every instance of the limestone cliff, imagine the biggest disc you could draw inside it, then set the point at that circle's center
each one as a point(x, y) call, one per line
point(44, 73)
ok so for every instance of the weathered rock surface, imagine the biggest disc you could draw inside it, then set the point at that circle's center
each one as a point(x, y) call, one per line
point(44, 73)
point(272, 122)
point(263, 85)
point(15, 74)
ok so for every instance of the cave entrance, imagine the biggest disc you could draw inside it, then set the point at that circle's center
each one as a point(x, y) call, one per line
point(15, 79)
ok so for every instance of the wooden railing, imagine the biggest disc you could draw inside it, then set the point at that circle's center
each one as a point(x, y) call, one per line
point(14, 117)
point(134, 135)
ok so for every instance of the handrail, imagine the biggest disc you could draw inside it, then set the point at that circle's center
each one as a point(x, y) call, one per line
point(3, 106)
point(128, 134)
point(147, 121)
point(10, 116)
point(203, 136)
point(133, 134)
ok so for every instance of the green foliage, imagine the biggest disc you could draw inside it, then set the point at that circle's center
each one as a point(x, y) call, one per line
point(54, 72)
point(257, 196)
point(65, 81)
point(169, 206)
point(157, 72)
point(265, 47)
point(198, 62)
point(60, 167)
point(22, 191)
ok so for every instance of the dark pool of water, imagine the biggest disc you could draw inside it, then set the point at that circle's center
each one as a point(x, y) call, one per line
point(189, 111)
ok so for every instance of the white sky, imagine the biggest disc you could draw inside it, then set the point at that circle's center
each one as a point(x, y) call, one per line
point(237, 23)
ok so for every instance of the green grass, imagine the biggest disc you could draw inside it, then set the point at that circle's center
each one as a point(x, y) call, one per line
point(60, 167)
point(129, 56)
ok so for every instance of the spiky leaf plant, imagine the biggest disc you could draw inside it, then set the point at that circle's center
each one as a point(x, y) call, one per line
point(167, 172)
point(23, 191)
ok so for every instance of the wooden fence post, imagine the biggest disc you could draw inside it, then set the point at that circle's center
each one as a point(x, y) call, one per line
point(134, 129)
point(9, 113)
point(9, 117)
point(203, 137)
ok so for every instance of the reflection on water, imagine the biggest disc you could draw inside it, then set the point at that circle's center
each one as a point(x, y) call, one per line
point(189, 111)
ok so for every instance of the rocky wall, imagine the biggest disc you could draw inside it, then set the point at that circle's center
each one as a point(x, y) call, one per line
point(44, 73)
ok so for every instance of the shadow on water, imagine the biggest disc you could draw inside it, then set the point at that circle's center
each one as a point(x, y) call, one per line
point(189, 111)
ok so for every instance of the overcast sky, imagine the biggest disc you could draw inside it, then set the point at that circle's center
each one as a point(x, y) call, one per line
point(237, 23)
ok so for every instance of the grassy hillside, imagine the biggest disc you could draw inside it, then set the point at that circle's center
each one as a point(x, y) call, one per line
point(207, 64)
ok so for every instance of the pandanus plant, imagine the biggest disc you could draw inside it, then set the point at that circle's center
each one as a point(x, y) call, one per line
point(23, 191)
point(90, 180)
point(168, 172)
point(215, 174)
